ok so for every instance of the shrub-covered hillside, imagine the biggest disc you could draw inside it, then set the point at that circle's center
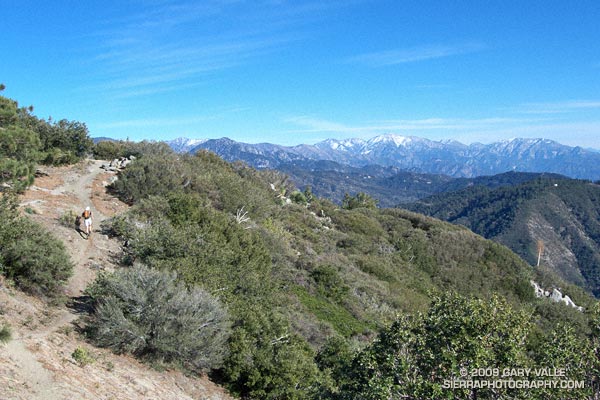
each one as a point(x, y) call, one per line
point(560, 213)
point(29, 255)
point(304, 281)
point(280, 295)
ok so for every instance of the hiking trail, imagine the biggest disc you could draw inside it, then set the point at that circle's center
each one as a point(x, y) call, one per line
point(38, 363)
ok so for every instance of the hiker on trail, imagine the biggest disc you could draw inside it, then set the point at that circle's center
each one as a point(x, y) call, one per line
point(87, 220)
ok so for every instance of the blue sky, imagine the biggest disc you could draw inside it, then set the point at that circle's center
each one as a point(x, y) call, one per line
point(294, 72)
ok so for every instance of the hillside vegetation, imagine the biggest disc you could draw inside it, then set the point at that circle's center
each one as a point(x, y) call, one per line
point(561, 213)
point(26, 140)
point(29, 255)
point(278, 294)
point(306, 282)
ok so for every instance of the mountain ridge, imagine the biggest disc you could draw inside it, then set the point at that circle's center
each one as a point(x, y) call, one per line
point(417, 154)
point(559, 212)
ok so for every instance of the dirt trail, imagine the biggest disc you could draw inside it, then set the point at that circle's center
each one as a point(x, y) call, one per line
point(40, 383)
point(78, 188)
point(83, 253)
point(37, 363)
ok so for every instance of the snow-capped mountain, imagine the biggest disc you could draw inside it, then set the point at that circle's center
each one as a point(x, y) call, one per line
point(360, 146)
point(417, 154)
point(184, 145)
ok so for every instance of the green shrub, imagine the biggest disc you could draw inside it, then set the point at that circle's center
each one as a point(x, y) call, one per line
point(329, 283)
point(30, 255)
point(361, 200)
point(185, 209)
point(577, 356)
point(115, 226)
point(206, 247)
point(339, 318)
point(5, 333)
point(149, 314)
point(108, 150)
point(57, 156)
point(298, 197)
point(149, 176)
point(68, 219)
point(413, 357)
point(82, 356)
point(267, 361)
point(111, 149)
point(360, 222)
point(335, 358)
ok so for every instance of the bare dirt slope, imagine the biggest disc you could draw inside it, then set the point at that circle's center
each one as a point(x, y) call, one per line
point(38, 363)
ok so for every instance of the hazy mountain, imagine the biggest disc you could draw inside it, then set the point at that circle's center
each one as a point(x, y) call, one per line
point(459, 160)
point(420, 155)
point(389, 185)
point(261, 155)
point(103, 139)
point(562, 213)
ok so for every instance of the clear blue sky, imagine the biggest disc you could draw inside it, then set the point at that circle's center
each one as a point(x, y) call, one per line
point(301, 71)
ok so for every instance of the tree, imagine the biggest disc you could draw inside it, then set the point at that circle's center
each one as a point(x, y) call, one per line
point(8, 112)
point(267, 361)
point(19, 148)
point(18, 156)
point(416, 355)
point(62, 142)
point(577, 356)
point(361, 200)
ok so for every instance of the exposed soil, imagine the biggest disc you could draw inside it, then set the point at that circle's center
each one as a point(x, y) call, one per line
point(38, 363)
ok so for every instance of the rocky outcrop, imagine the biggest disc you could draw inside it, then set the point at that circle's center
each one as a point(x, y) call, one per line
point(118, 163)
point(554, 295)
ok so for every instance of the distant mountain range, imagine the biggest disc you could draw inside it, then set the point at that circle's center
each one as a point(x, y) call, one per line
point(413, 154)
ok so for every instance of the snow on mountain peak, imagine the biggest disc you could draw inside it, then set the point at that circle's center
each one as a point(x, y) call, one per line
point(186, 141)
point(391, 138)
point(194, 142)
point(344, 144)
point(183, 144)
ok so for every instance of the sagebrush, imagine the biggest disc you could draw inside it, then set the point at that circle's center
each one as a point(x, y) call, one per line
point(150, 314)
